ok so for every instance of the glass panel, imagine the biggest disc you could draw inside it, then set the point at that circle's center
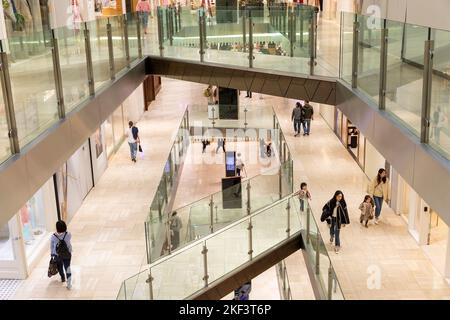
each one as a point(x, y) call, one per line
point(6, 244)
point(225, 37)
point(137, 288)
point(5, 147)
point(440, 98)
point(100, 53)
point(133, 41)
point(284, 43)
point(347, 46)
point(269, 228)
point(33, 84)
point(72, 56)
point(186, 41)
point(404, 73)
point(179, 276)
point(369, 56)
point(118, 37)
point(227, 251)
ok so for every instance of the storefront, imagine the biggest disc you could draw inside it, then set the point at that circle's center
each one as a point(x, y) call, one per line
point(25, 237)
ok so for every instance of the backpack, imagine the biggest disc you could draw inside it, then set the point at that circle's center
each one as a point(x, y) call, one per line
point(135, 132)
point(62, 250)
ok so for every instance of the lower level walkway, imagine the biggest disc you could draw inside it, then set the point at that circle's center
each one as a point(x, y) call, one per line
point(108, 230)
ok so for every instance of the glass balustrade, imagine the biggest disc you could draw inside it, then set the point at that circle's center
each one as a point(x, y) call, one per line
point(204, 261)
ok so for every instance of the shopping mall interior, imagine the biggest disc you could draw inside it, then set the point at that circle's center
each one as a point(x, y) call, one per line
point(210, 205)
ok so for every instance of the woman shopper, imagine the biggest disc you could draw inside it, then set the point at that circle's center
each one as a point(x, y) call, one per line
point(367, 210)
point(61, 250)
point(336, 210)
point(379, 190)
point(143, 8)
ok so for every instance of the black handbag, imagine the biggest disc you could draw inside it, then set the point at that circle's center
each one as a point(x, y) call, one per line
point(52, 267)
point(325, 215)
point(140, 149)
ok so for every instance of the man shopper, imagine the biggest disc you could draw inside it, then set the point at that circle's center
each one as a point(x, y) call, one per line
point(307, 116)
point(133, 140)
point(297, 118)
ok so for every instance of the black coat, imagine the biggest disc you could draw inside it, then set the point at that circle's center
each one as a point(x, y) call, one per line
point(342, 213)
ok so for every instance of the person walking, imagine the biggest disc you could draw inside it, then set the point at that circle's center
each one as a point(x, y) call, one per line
point(61, 251)
point(367, 210)
point(307, 116)
point(220, 144)
point(303, 195)
point(209, 94)
point(336, 209)
point(249, 94)
point(239, 165)
point(175, 227)
point(205, 143)
point(297, 118)
point(379, 190)
point(143, 8)
point(133, 140)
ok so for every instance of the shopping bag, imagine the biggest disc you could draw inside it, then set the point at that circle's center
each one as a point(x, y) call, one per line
point(141, 152)
point(52, 267)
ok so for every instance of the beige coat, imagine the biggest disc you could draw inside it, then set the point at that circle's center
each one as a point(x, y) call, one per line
point(379, 190)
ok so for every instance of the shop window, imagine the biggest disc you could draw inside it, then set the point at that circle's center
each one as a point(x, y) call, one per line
point(6, 247)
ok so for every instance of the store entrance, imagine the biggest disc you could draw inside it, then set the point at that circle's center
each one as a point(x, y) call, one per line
point(12, 252)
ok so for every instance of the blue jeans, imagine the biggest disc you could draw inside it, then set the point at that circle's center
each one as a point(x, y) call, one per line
point(297, 126)
point(335, 231)
point(378, 205)
point(306, 126)
point(133, 150)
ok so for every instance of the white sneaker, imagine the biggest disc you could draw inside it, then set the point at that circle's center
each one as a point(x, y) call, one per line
point(376, 220)
point(69, 283)
point(336, 249)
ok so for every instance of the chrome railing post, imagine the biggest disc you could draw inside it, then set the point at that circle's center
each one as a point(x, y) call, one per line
point(205, 265)
point(313, 42)
point(127, 42)
point(111, 51)
point(211, 214)
point(355, 52)
point(169, 238)
point(288, 212)
point(201, 17)
point(308, 224)
point(89, 65)
point(57, 76)
point(159, 16)
point(291, 32)
point(249, 207)
point(170, 22)
point(9, 102)
point(317, 252)
point(426, 91)
point(250, 40)
point(302, 26)
point(150, 284)
point(139, 36)
point(250, 239)
point(330, 283)
point(244, 29)
point(383, 65)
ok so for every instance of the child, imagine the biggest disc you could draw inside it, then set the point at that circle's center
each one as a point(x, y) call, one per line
point(367, 210)
point(303, 195)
